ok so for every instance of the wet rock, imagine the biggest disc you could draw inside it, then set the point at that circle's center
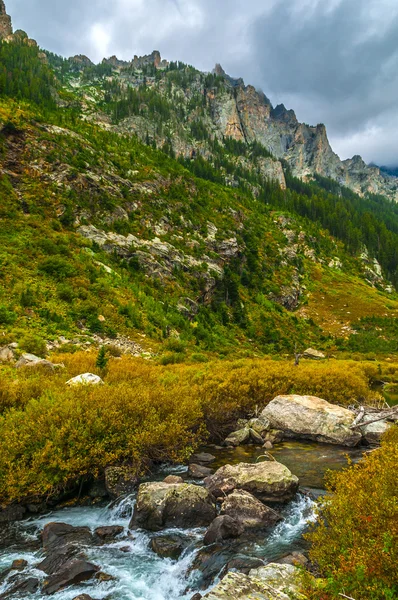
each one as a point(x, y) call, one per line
point(248, 511)
point(198, 471)
point(162, 505)
point(85, 379)
point(255, 437)
point(267, 481)
point(202, 458)
point(57, 558)
point(13, 512)
point(169, 546)
point(308, 417)
point(20, 589)
point(222, 528)
point(120, 481)
point(268, 446)
point(83, 597)
point(259, 425)
point(295, 558)
point(197, 597)
point(313, 354)
point(236, 438)
point(372, 433)
point(19, 565)
point(173, 479)
point(243, 564)
point(103, 577)
point(109, 533)
point(56, 535)
point(73, 572)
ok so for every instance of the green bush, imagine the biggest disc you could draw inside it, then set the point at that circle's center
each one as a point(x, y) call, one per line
point(33, 344)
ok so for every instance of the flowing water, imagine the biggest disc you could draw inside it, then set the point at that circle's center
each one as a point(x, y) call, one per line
point(140, 574)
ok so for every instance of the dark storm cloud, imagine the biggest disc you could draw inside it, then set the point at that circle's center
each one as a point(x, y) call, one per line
point(333, 61)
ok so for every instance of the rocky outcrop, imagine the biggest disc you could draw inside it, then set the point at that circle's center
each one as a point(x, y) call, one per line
point(72, 573)
point(267, 481)
point(313, 354)
point(312, 418)
point(162, 505)
point(273, 582)
point(5, 22)
point(249, 512)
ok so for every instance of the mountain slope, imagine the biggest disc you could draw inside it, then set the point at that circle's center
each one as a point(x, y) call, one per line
point(105, 235)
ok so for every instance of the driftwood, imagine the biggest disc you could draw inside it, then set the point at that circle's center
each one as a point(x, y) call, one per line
point(381, 417)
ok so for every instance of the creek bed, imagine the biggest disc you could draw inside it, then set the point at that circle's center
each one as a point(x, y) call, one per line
point(140, 574)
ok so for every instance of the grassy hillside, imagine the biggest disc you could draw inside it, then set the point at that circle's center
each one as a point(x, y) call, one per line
point(104, 235)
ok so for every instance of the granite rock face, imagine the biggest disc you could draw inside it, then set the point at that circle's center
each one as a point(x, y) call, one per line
point(5, 22)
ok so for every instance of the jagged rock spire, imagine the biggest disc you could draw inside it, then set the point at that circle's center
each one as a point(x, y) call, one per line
point(5, 22)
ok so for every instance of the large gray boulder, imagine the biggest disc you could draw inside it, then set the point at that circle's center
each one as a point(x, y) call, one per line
point(162, 505)
point(30, 360)
point(273, 582)
point(85, 379)
point(308, 417)
point(267, 481)
point(248, 511)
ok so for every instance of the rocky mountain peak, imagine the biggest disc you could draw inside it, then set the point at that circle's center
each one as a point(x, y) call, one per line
point(281, 113)
point(5, 22)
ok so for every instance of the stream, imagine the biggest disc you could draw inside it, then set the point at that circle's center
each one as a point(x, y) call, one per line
point(139, 573)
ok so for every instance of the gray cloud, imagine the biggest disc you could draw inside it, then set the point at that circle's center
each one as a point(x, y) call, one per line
point(333, 61)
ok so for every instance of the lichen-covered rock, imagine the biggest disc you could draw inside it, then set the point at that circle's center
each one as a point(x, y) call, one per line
point(267, 481)
point(162, 505)
point(312, 418)
point(248, 511)
point(30, 360)
point(273, 582)
point(236, 438)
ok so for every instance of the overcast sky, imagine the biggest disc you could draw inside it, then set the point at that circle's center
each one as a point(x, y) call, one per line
point(332, 61)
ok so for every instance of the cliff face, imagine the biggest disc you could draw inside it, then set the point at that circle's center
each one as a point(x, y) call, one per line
point(244, 113)
point(5, 22)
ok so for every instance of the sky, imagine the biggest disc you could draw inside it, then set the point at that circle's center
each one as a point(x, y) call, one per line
point(332, 61)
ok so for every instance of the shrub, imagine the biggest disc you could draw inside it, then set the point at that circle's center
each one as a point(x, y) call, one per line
point(58, 267)
point(33, 344)
point(7, 317)
point(355, 542)
point(175, 345)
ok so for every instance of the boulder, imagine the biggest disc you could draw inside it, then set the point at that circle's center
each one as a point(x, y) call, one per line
point(372, 433)
point(259, 425)
point(273, 436)
point(57, 535)
point(108, 533)
point(83, 597)
point(57, 558)
point(202, 458)
point(85, 379)
point(162, 505)
point(222, 528)
point(120, 481)
point(236, 438)
point(30, 360)
point(72, 573)
point(248, 511)
point(173, 479)
point(273, 582)
point(169, 546)
point(198, 472)
point(295, 558)
point(313, 354)
point(267, 481)
point(255, 437)
point(308, 417)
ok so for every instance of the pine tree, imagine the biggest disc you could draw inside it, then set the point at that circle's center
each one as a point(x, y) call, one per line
point(102, 359)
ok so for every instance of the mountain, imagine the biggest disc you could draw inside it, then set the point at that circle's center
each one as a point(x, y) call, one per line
point(160, 208)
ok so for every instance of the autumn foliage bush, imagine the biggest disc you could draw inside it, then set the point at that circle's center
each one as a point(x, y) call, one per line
point(355, 542)
point(53, 436)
